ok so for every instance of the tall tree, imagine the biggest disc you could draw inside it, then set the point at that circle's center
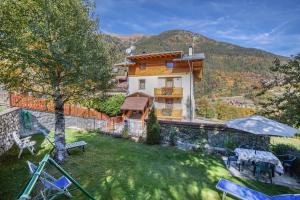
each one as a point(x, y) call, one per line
point(282, 94)
point(52, 48)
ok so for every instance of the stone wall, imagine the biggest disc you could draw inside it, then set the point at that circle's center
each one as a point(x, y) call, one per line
point(213, 135)
point(12, 120)
point(9, 122)
point(46, 121)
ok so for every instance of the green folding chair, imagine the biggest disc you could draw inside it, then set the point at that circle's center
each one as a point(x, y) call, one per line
point(263, 167)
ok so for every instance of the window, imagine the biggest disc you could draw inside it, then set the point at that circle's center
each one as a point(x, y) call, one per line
point(169, 82)
point(169, 64)
point(142, 66)
point(169, 103)
point(142, 84)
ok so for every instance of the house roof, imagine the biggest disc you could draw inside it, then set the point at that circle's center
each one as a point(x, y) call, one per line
point(140, 94)
point(176, 56)
point(168, 54)
point(135, 103)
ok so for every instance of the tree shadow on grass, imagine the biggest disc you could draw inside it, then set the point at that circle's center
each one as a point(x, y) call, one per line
point(14, 172)
point(120, 169)
point(113, 168)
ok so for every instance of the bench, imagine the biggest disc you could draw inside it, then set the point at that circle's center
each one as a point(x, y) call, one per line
point(219, 150)
point(69, 146)
point(80, 144)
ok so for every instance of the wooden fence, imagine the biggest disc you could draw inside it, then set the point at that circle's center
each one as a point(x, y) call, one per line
point(33, 103)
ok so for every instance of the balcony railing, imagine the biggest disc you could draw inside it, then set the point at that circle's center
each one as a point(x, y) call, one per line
point(173, 92)
point(168, 113)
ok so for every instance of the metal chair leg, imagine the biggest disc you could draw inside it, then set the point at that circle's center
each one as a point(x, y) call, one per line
point(224, 195)
point(31, 150)
point(20, 153)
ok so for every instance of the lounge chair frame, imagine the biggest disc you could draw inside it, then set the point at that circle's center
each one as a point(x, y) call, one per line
point(245, 193)
point(39, 174)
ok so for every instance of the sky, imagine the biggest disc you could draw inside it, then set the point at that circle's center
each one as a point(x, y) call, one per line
point(271, 25)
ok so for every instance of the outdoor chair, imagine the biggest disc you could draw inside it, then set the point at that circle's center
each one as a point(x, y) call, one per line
point(287, 162)
point(51, 187)
point(231, 157)
point(263, 167)
point(260, 148)
point(24, 143)
point(244, 193)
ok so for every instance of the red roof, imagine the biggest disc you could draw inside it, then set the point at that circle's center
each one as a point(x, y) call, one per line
point(135, 103)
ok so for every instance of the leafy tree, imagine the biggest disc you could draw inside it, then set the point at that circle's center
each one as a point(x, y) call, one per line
point(153, 129)
point(284, 103)
point(125, 132)
point(108, 105)
point(51, 47)
point(204, 108)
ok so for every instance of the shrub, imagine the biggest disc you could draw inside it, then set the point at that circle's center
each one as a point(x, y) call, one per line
point(205, 108)
point(125, 132)
point(108, 105)
point(153, 129)
point(281, 149)
point(230, 144)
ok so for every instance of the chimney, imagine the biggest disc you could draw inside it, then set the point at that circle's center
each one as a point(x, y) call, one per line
point(190, 51)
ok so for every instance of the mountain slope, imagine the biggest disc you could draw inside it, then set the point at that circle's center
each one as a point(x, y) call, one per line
point(218, 54)
point(229, 69)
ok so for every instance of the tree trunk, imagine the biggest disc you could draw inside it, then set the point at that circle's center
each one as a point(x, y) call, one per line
point(59, 138)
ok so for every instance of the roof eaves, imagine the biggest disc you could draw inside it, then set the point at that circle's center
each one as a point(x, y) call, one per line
point(198, 56)
point(128, 62)
point(156, 53)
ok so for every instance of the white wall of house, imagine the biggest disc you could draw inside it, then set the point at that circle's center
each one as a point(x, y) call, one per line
point(151, 83)
point(158, 82)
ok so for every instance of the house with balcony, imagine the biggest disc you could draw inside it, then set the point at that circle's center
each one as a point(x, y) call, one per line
point(165, 80)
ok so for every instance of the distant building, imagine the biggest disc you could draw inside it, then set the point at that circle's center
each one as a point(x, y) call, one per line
point(166, 79)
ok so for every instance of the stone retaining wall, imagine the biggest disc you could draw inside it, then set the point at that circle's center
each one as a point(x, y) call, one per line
point(213, 135)
point(46, 120)
point(12, 120)
point(9, 122)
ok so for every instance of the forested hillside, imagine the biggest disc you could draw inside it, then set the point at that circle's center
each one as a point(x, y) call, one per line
point(229, 70)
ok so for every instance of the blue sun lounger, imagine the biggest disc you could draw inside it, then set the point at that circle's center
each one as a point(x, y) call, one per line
point(244, 193)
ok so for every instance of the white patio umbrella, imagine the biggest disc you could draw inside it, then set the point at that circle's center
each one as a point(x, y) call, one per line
point(260, 125)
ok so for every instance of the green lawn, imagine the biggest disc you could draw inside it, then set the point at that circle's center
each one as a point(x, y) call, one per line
point(293, 142)
point(121, 169)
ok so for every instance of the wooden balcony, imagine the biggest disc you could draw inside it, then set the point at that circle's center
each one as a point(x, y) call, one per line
point(168, 92)
point(168, 113)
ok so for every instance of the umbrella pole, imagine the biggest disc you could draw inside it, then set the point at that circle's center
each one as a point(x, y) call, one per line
point(255, 146)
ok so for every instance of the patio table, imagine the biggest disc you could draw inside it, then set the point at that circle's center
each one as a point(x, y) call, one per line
point(259, 156)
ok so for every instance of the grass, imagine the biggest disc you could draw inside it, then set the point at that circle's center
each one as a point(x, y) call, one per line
point(1, 109)
point(113, 168)
point(290, 141)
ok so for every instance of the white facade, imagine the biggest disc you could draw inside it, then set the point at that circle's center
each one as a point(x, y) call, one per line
point(184, 81)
